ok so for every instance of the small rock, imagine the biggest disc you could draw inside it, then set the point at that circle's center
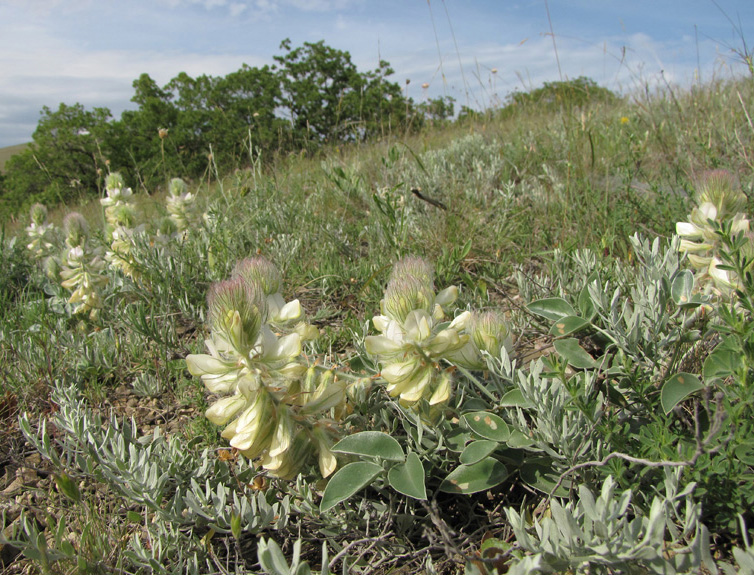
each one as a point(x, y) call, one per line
point(33, 459)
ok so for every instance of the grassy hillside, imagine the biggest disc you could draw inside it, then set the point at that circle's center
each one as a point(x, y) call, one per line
point(600, 384)
point(7, 152)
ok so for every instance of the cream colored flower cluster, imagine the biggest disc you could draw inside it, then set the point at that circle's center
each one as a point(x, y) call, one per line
point(82, 267)
point(120, 216)
point(276, 410)
point(41, 241)
point(417, 338)
point(181, 205)
point(719, 200)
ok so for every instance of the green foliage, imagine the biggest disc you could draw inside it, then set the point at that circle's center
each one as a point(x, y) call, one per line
point(65, 161)
point(437, 109)
point(603, 535)
point(328, 100)
point(15, 270)
point(569, 94)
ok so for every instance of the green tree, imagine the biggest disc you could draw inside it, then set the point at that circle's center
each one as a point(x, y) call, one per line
point(243, 105)
point(328, 100)
point(314, 80)
point(136, 142)
point(569, 93)
point(65, 160)
point(377, 106)
point(438, 109)
point(190, 136)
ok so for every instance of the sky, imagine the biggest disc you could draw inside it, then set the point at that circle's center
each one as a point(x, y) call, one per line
point(475, 51)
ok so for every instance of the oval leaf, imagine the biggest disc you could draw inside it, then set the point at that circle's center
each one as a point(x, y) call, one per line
point(514, 398)
point(371, 444)
point(745, 452)
point(457, 439)
point(568, 325)
point(721, 364)
point(573, 353)
point(553, 308)
point(678, 388)
point(540, 474)
point(682, 286)
point(481, 476)
point(408, 478)
point(518, 440)
point(478, 450)
point(586, 305)
point(347, 481)
point(488, 425)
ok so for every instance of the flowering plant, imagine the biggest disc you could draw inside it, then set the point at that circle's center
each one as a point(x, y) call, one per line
point(181, 205)
point(720, 201)
point(416, 336)
point(82, 267)
point(40, 233)
point(276, 409)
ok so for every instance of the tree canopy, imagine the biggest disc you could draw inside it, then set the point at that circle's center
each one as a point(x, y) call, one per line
point(311, 96)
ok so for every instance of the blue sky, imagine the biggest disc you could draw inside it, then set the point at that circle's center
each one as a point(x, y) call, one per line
point(90, 51)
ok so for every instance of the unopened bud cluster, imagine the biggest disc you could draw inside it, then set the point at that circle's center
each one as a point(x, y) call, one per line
point(719, 200)
point(275, 409)
point(417, 338)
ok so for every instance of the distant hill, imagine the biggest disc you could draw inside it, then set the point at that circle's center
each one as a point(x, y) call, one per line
point(6, 153)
